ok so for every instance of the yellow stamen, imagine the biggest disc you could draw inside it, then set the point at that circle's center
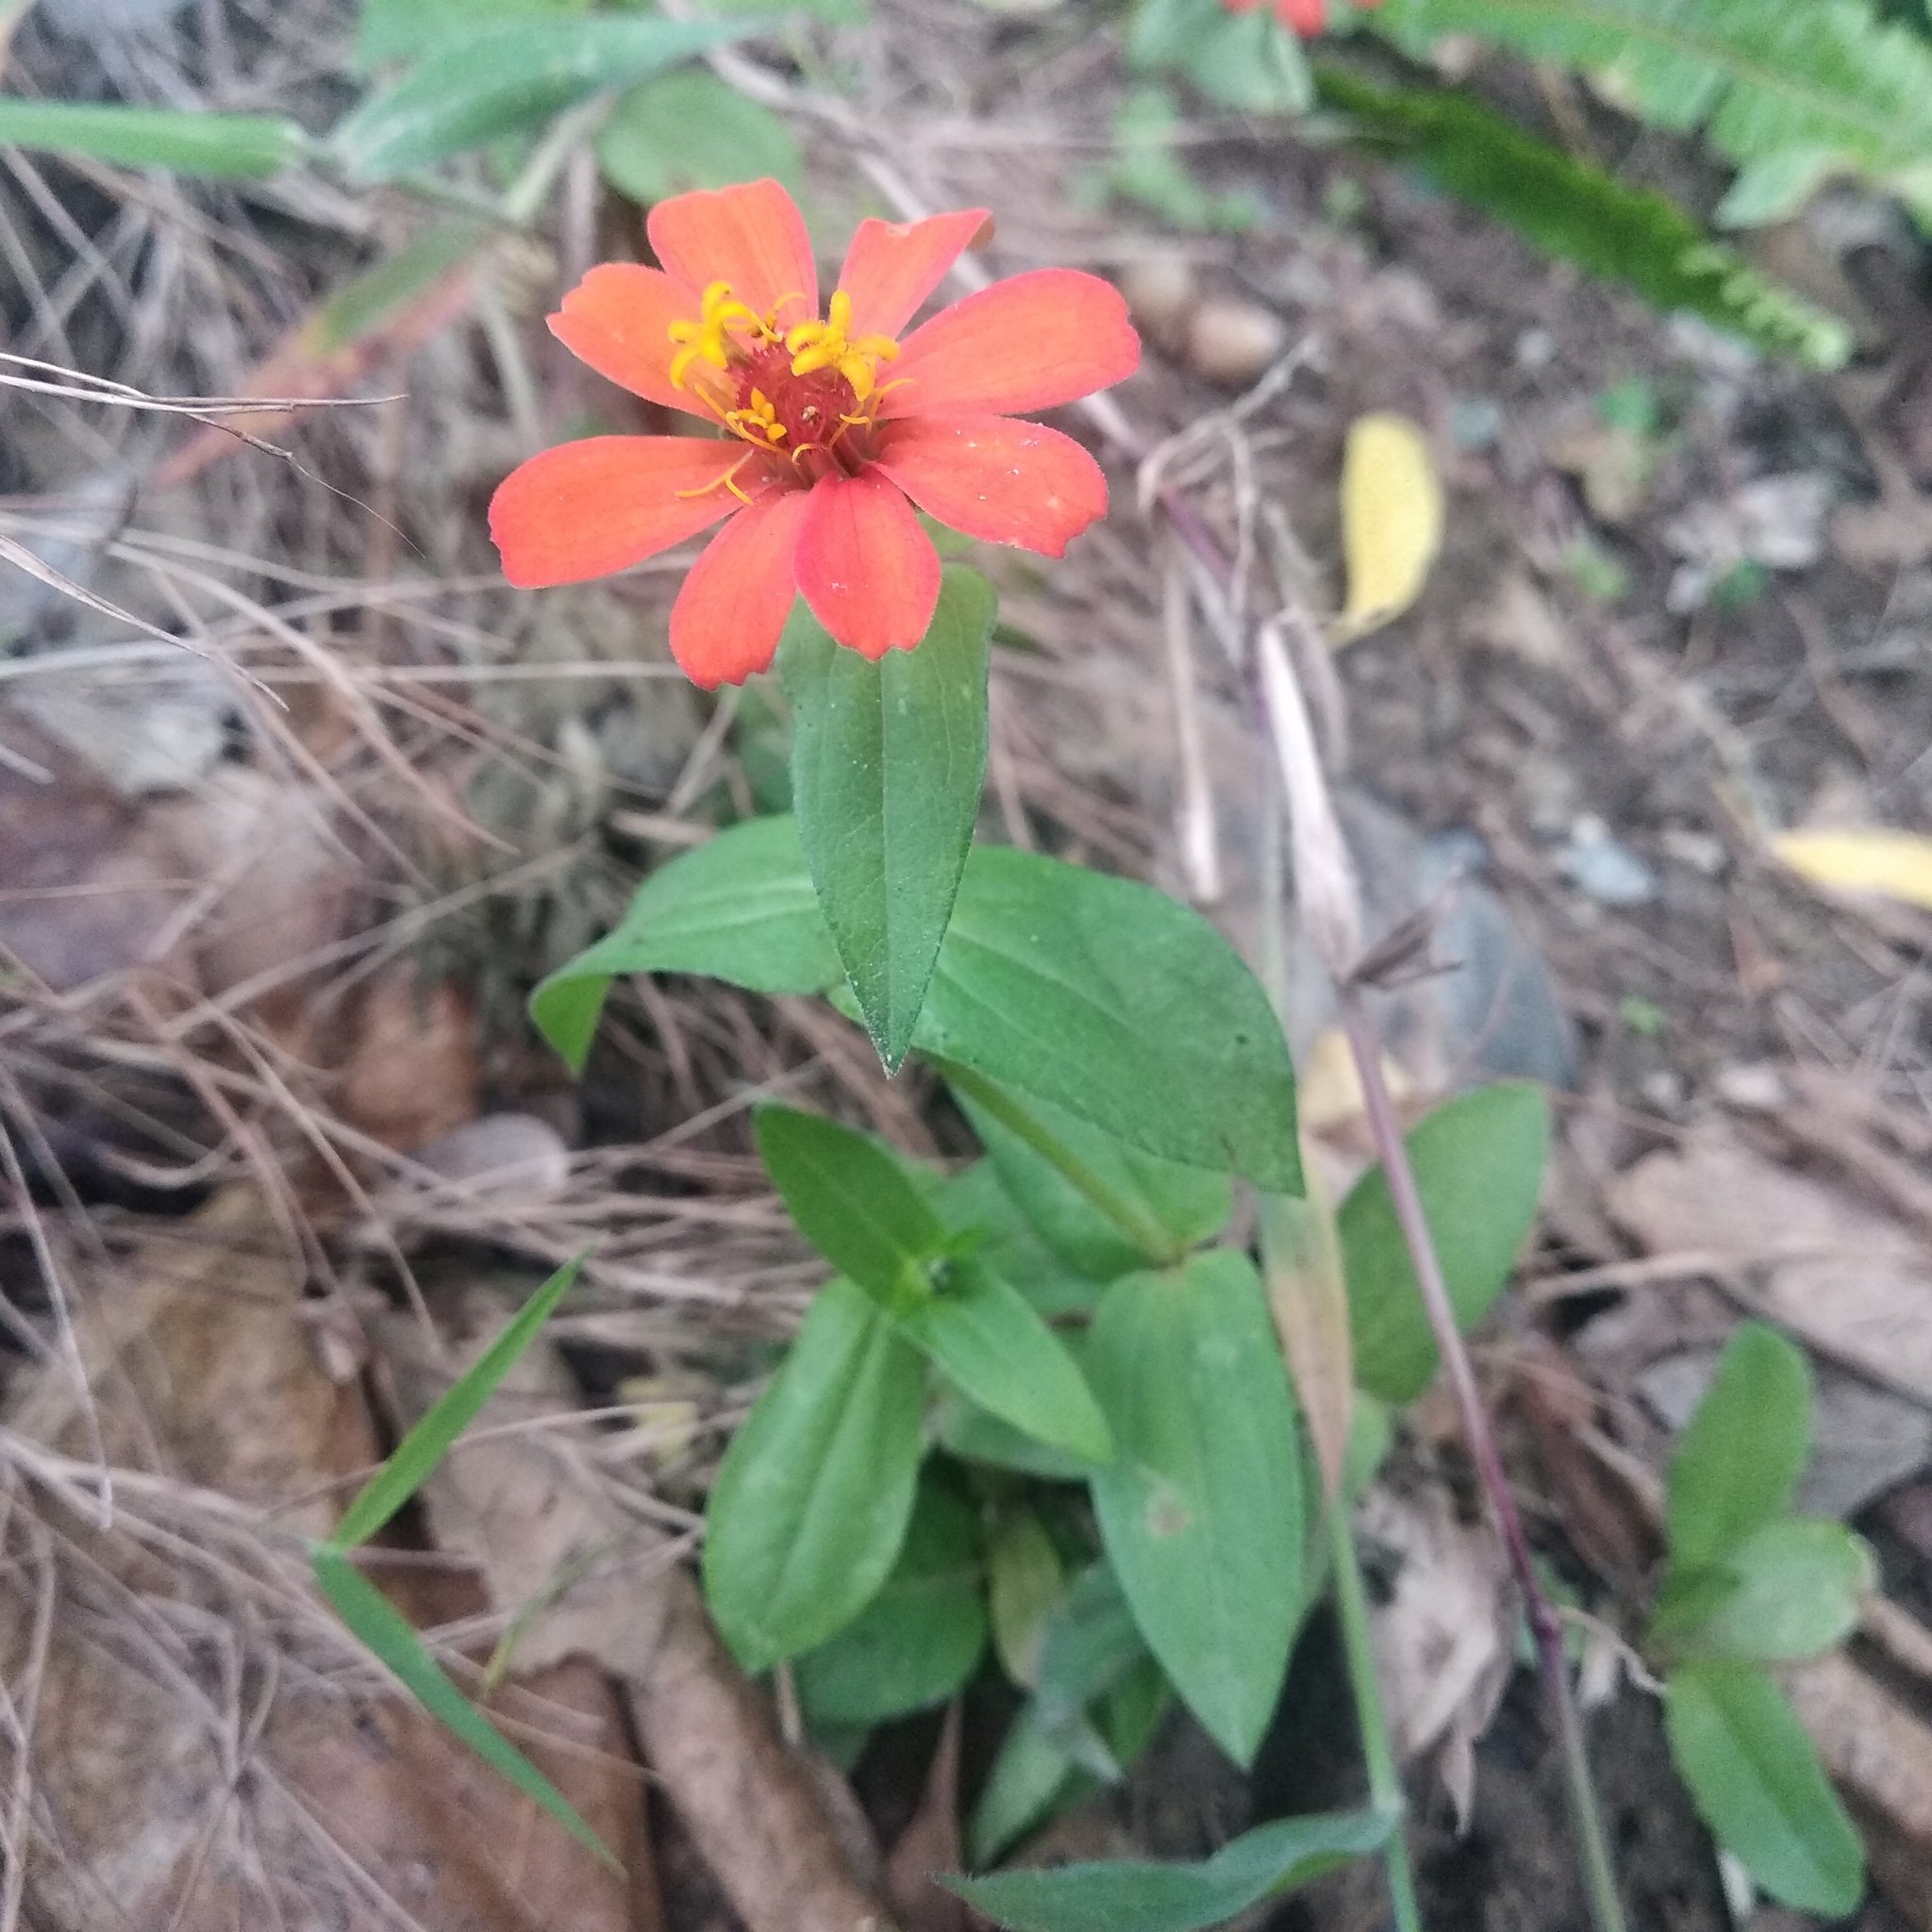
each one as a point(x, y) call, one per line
point(757, 420)
point(829, 344)
point(708, 337)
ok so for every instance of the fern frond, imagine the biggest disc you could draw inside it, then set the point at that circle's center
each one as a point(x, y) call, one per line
point(1578, 213)
point(1787, 90)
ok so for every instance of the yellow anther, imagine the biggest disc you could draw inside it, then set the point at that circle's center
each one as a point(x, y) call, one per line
point(757, 419)
point(828, 345)
point(707, 338)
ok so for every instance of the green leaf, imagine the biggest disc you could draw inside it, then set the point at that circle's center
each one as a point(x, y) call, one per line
point(387, 1635)
point(1026, 1583)
point(966, 1430)
point(1763, 80)
point(689, 130)
point(504, 78)
point(1478, 1165)
point(228, 147)
point(1024, 1786)
point(1094, 994)
point(1084, 991)
point(887, 764)
point(853, 1202)
point(921, 1637)
point(366, 302)
point(983, 1335)
point(739, 908)
point(1150, 168)
point(1245, 60)
point(1575, 212)
point(425, 1445)
point(396, 30)
point(1172, 1208)
point(1737, 1463)
point(1758, 1784)
point(1091, 1642)
point(1790, 1590)
point(1137, 1895)
point(1202, 1508)
point(812, 1498)
point(984, 1220)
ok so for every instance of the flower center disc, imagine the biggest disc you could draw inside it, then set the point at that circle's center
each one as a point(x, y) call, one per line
point(813, 410)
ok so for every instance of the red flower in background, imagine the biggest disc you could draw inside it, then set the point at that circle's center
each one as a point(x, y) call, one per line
point(836, 427)
point(1304, 17)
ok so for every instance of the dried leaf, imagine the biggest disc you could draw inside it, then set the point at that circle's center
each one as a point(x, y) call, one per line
point(1898, 864)
point(1392, 520)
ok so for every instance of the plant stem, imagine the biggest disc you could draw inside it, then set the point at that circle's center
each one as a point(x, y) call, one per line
point(1545, 1627)
point(1385, 1781)
point(1138, 1227)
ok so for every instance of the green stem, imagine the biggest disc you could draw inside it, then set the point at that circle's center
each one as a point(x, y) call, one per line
point(1138, 1227)
point(1385, 1781)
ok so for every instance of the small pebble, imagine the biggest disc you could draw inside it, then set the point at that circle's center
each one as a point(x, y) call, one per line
point(1232, 341)
point(1607, 871)
point(1752, 1088)
point(1162, 292)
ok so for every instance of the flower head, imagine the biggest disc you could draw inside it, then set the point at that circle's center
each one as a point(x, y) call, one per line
point(1304, 17)
point(836, 425)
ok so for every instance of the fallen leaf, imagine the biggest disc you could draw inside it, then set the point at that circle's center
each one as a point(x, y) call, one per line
point(931, 1844)
point(413, 1076)
point(1391, 521)
point(1444, 1632)
point(1898, 864)
point(1838, 1274)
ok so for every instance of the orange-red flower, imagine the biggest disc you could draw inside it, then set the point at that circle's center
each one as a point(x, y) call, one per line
point(1304, 17)
point(835, 426)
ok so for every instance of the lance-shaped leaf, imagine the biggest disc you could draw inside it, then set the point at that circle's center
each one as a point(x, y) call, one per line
point(224, 146)
point(1201, 1507)
point(811, 1504)
point(887, 764)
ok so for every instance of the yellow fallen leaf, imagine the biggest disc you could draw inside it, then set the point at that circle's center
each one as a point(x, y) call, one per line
point(1391, 521)
point(1899, 864)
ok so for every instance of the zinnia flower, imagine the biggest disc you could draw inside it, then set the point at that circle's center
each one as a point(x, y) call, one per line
point(835, 427)
point(1304, 17)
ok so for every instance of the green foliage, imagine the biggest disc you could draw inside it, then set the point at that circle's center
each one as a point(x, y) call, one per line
point(367, 302)
point(386, 1635)
point(688, 129)
point(412, 1459)
point(811, 1501)
point(502, 80)
point(1746, 1582)
point(980, 1211)
point(1578, 213)
point(1478, 1164)
point(1244, 61)
point(740, 909)
point(396, 30)
point(1202, 1509)
point(1790, 1590)
point(1787, 92)
point(1160, 1208)
point(370, 1616)
point(1026, 1583)
point(983, 1335)
point(1134, 1895)
point(1758, 1785)
point(229, 147)
point(1087, 992)
point(887, 764)
point(854, 1203)
point(1149, 169)
point(921, 1637)
point(1737, 1463)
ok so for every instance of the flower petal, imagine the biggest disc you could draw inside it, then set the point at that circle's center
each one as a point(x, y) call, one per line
point(618, 319)
point(891, 267)
point(864, 565)
point(993, 477)
point(728, 616)
point(751, 236)
point(584, 510)
point(1027, 343)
